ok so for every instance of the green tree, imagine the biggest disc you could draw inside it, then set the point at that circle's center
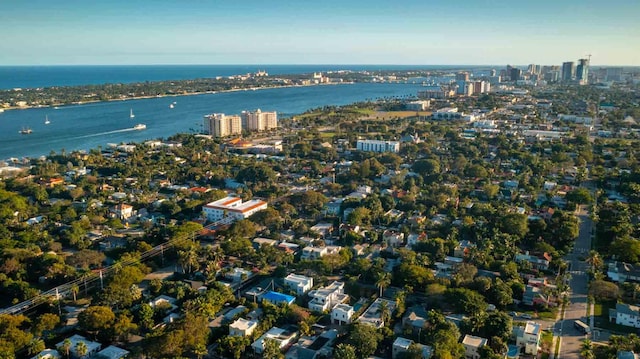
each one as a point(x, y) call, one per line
point(344, 351)
point(65, 347)
point(96, 319)
point(81, 349)
point(271, 349)
point(364, 338)
point(602, 290)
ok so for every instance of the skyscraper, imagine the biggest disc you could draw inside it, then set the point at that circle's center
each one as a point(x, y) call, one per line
point(582, 72)
point(462, 76)
point(567, 71)
point(258, 120)
point(515, 73)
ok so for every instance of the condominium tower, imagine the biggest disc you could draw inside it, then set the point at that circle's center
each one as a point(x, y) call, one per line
point(221, 125)
point(258, 120)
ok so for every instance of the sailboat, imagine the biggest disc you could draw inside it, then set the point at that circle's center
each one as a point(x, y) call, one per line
point(131, 115)
point(46, 120)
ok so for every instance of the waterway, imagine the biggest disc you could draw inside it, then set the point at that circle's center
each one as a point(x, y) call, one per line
point(87, 126)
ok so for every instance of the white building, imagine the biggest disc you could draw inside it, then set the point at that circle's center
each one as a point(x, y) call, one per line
point(528, 337)
point(472, 345)
point(48, 354)
point(258, 120)
point(92, 347)
point(447, 113)
point(311, 253)
point(341, 314)
point(279, 335)
point(378, 146)
point(242, 327)
point(301, 284)
point(401, 346)
point(627, 315)
point(221, 125)
point(417, 105)
point(373, 314)
point(325, 298)
point(112, 352)
point(232, 207)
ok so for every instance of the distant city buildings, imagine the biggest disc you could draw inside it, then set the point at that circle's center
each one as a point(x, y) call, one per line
point(582, 72)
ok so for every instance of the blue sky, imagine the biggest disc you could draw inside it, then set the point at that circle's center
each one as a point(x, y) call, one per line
point(46, 32)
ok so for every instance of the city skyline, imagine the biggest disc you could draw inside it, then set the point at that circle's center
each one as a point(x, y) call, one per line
point(286, 32)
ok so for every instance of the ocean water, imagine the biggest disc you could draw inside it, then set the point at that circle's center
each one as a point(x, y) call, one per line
point(82, 127)
point(47, 76)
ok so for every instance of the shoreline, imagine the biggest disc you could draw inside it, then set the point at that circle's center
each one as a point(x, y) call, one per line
point(12, 108)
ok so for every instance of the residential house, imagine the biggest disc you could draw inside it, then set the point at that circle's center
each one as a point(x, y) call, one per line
point(324, 229)
point(392, 238)
point(463, 248)
point(301, 284)
point(281, 336)
point(528, 337)
point(314, 347)
point(625, 314)
point(242, 327)
point(472, 345)
point(122, 211)
point(112, 352)
point(402, 345)
point(415, 318)
point(325, 298)
point(341, 314)
point(276, 298)
point(623, 272)
point(164, 300)
point(627, 354)
point(539, 263)
point(373, 315)
point(415, 238)
point(48, 354)
point(92, 347)
point(311, 253)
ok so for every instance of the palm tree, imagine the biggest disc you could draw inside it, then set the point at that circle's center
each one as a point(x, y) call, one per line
point(384, 311)
point(74, 290)
point(384, 280)
point(81, 349)
point(65, 347)
point(594, 260)
point(586, 349)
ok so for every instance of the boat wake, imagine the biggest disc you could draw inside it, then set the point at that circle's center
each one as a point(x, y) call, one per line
point(108, 132)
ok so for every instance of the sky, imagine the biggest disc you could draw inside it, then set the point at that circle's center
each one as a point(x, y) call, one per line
point(425, 32)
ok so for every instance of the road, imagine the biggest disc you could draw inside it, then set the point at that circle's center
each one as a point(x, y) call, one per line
point(571, 339)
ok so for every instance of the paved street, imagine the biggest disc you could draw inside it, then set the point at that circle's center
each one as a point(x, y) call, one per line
point(577, 309)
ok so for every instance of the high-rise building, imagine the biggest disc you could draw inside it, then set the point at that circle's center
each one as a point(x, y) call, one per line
point(532, 69)
point(462, 76)
point(582, 71)
point(221, 125)
point(493, 72)
point(614, 74)
point(515, 73)
point(568, 71)
point(258, 120)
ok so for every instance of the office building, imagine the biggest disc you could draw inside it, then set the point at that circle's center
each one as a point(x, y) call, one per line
point(614, 74)
point(221, 125)
point(568, 70)
point(582, 72)
point(515, 73)
point(258, 120)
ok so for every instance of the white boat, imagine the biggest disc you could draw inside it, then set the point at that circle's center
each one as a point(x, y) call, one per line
point(1, 110)
point(25, 131)
point(140, 127)
point(171, 106)
point(46, 120)
point(131, 115)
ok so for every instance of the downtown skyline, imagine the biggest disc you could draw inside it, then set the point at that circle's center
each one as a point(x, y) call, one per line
point(70, 32)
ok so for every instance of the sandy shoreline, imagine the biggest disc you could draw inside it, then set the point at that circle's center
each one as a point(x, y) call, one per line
point(172, 95)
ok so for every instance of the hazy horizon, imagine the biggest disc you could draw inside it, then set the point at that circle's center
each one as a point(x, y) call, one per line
point(172, 32)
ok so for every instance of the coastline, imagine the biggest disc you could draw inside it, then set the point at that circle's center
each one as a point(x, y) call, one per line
point(173, 95)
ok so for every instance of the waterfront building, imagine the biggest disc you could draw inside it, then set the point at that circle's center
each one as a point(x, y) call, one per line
point(378, 146)
point(258, 120)
point(221, 125)
point(437, 92)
